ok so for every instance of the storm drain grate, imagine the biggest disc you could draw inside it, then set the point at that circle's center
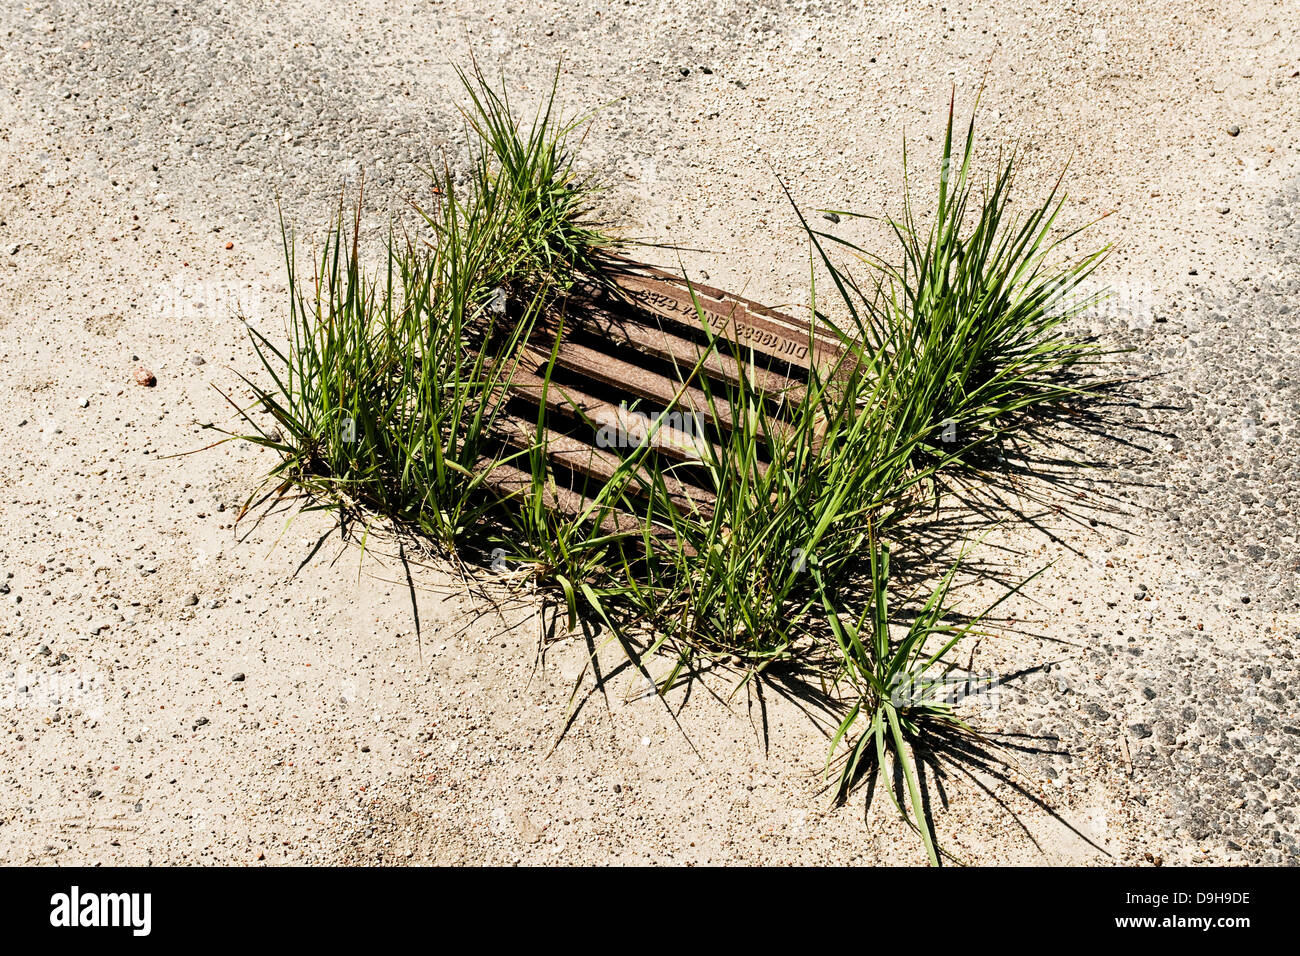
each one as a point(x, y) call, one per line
point(620, 379)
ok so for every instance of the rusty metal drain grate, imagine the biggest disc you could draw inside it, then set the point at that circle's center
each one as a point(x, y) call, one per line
point(622, 362)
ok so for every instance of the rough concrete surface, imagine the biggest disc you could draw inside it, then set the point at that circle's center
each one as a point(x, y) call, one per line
point(176, 690)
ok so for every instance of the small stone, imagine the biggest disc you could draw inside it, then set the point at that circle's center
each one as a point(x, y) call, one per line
point(198, 360)
point(230, 245)
point(1141, 731)
point(44, 650)
point(1234, 130)
point(200, 722)
point(83, 403)
point(192, 600)
point(145, 377)
point(830, 216)
point(685, 71)
point(237, 677)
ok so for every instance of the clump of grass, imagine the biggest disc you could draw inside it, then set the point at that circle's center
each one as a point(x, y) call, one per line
point(971, 313)
point(552, 235)
point(387, 394)
point(390, 395)
point(795, 497)
point(898, 674)
point(966, 339)
point(380, 397)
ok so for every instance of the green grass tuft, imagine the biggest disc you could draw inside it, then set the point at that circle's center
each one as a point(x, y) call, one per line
point(387, 398)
